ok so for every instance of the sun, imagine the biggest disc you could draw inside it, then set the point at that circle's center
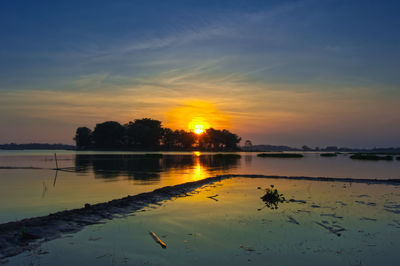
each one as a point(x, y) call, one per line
point(198, 125)
point(198, 129)
point(196, 116)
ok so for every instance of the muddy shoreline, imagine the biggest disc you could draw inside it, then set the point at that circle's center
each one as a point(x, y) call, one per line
point(19, 236)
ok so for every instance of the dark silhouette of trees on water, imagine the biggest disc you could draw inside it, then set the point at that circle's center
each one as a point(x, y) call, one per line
point(83, 137)
point(148, 134)
point(143, 133)
point(108, 134)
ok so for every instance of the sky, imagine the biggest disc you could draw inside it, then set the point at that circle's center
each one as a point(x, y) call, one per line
point(312, 72)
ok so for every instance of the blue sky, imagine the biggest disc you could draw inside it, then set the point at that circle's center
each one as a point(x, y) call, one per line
point(284, 72)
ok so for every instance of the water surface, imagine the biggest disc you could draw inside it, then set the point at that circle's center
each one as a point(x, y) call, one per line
point(103, 176)
point(234, 227)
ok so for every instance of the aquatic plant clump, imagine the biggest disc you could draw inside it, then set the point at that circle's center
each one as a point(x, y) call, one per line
point(272, 198)
point(281, 155)
point(373, 157)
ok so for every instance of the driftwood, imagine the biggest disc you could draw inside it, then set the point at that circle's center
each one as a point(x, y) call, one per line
point(157, 239)
point(213, 197)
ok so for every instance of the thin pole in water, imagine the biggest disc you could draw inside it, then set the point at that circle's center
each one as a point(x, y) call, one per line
point(55, 157)
point(55, 178)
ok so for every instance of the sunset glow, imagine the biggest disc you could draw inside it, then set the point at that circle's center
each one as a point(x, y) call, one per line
point(197, 116)
point(198, 129)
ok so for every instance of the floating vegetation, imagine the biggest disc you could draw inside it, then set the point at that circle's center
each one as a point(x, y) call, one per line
point(373, 157)
point(281, 155)
point(272, 198)
point(328, 154)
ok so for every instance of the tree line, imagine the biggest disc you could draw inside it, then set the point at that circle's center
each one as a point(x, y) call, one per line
point(148, 134)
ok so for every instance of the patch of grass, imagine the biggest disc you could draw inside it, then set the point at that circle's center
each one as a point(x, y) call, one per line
point(372, 157)
point(272, 198)
point(328, 154)
point(281, 155)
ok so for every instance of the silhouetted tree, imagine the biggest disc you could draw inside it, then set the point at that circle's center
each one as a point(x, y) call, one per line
point(169, 138)
point(306, 148)
point(186, 139)
point(83, 137)
point(144, 133)
point(109, 134)
point(229, 140)
point(214, 139)
point(149, 134)
point(248, 145)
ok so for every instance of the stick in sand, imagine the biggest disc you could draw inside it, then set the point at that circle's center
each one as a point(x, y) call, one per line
point(55, 178)
point(157, 239)
point(55, 157)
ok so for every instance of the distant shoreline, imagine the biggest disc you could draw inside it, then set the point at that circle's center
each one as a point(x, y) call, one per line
point(37, 146)
point(253, 149)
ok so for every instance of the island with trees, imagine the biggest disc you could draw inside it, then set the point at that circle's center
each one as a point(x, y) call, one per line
point(149, 134)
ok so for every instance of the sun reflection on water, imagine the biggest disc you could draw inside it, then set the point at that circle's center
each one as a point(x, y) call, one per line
point(198, 170)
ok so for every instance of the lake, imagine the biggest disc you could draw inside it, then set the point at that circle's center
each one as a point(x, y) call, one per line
point(103, 176)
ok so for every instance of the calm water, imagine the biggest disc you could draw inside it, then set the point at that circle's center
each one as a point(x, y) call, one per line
point(236, 229)
point(104, 176)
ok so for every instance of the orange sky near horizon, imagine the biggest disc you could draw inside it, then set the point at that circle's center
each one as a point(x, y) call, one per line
point(194, 113)
point(292, 116)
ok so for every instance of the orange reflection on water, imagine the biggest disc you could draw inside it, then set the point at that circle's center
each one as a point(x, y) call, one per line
point(198, 171)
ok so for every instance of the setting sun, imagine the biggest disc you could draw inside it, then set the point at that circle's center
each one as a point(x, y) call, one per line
point(198, 125)
point(198, 129)
point(197, 116)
